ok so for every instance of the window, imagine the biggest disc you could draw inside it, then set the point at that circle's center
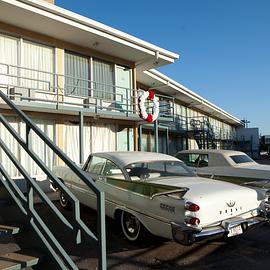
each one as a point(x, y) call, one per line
point(194, 160)
point(157, 169)
point(96, 165)
point(241, 159)
point(77, 75)
point(8, 56)
point(40, 60)
point(103, 80)
point(31, 61)
point(113, 171)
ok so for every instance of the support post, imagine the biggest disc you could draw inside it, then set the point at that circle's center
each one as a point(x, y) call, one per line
point(81, 139)
point(156, 135)
point(140, 137)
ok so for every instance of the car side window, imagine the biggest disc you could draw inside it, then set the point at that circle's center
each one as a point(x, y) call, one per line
point(203, 161)
point(113, 171)
point(96, 165)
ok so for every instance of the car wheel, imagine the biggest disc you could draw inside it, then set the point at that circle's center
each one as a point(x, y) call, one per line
point(65, 203)
point(131, 227)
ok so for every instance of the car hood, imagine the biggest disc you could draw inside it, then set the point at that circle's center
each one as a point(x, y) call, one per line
point(218, 200)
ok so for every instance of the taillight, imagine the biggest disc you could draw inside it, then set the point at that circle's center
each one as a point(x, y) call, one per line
point(192, 221)
point(192, 207)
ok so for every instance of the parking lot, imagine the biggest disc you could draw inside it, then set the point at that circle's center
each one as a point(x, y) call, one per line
point(248, 251)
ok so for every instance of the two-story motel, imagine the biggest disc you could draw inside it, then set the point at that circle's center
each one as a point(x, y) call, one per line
point(79, 80)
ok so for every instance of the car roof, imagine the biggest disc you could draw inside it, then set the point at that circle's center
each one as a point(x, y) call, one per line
point(213, 151)
point(127, 157)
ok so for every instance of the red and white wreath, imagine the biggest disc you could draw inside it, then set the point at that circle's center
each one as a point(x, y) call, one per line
point(148, 95)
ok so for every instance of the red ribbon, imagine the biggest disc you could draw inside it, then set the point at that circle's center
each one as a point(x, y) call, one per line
point(149, 118)
point(151, 94)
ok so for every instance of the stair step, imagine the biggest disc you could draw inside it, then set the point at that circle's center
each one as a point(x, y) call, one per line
point(16, 261)
point(8, 230)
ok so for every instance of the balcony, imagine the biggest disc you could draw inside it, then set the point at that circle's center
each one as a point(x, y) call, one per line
point(37, 90)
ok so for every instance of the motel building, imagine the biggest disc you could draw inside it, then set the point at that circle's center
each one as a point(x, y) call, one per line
point(79, 81)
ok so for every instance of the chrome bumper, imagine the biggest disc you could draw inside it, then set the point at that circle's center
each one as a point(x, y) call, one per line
point(187, 236)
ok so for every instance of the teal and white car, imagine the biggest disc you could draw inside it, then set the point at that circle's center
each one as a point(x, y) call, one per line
point(157, 193)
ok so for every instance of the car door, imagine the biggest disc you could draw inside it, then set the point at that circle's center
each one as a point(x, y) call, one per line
point(94, 167)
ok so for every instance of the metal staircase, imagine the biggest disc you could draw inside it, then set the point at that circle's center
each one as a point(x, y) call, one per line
point(25, 202)
point(203, 133)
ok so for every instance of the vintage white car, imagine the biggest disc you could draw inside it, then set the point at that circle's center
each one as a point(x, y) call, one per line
point(226, 165)
point(157, 193)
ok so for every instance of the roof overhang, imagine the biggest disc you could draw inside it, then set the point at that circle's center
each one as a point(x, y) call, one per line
point(50, 20)
point(168, 86)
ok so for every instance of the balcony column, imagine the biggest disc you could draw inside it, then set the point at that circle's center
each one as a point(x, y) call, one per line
point(156, 135)
point(81, 139)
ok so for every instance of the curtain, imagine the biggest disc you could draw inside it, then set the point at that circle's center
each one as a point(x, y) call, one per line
point(103, 78)
point(12, 144)
point(103, 138)
point(35, 144)
point(71, 141)
point(77, 67)
point(8, 56)
point(40, 59)
point(96, 139)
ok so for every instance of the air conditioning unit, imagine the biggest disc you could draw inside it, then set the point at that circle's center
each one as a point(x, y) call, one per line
point(21, 94)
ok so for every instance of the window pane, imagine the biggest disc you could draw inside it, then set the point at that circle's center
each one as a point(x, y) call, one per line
point(40, 60)
point(103, 77)
point(8, 56)
point(77, 75)
point(241, 159)
point(96, 165)
point(113, 171)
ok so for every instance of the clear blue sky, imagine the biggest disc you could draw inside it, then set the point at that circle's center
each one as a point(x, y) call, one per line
point(224, 46)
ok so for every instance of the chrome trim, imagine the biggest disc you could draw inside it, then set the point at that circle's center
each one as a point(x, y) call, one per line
point(188, 235)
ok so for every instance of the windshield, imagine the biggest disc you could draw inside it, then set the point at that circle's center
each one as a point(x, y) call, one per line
point(157, 169)
point(241, 159)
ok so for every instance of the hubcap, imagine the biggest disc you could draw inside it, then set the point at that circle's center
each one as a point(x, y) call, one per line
point(131, 226)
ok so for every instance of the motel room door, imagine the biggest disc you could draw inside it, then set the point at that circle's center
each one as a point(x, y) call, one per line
point(123, 91)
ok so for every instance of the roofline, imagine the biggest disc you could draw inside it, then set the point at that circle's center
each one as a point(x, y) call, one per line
point(184, 90)
point(66, 14)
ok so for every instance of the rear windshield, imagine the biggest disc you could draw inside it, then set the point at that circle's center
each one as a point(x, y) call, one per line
point(241, 159)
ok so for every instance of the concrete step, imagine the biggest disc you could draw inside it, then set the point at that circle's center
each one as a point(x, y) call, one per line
point(16, 261)
point(8, 230)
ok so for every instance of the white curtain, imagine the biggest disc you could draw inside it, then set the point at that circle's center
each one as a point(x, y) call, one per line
point(96, 139)
point(103, 138)
point(8, 56)
point(103, 77)
point(12, 144)
point(35, 144)
point(77, 74)
point(40, 148)
point(41, 59)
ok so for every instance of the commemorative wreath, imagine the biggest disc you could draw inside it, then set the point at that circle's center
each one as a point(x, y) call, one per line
point(148, 95)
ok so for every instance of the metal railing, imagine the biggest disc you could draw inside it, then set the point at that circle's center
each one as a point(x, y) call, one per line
point(31, 85)
point(203, 123)
point(26, 202)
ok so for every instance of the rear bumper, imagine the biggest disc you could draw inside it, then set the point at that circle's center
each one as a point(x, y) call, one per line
point(187, 236)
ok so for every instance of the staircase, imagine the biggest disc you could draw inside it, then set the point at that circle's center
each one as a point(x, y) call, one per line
point(14, 260)
point(203, 133)
point(26, 206)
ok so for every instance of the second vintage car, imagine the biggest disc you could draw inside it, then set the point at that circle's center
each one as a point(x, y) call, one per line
point(157, 193)
point(226, 165)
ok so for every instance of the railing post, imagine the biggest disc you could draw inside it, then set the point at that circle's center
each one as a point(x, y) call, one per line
point(127, 101)
point(81, 138)
point(156, 135)
point(101, 231)
point(28, 129)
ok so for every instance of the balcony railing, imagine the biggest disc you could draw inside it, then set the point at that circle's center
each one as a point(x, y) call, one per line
point(183, 123)
point(34, 86)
